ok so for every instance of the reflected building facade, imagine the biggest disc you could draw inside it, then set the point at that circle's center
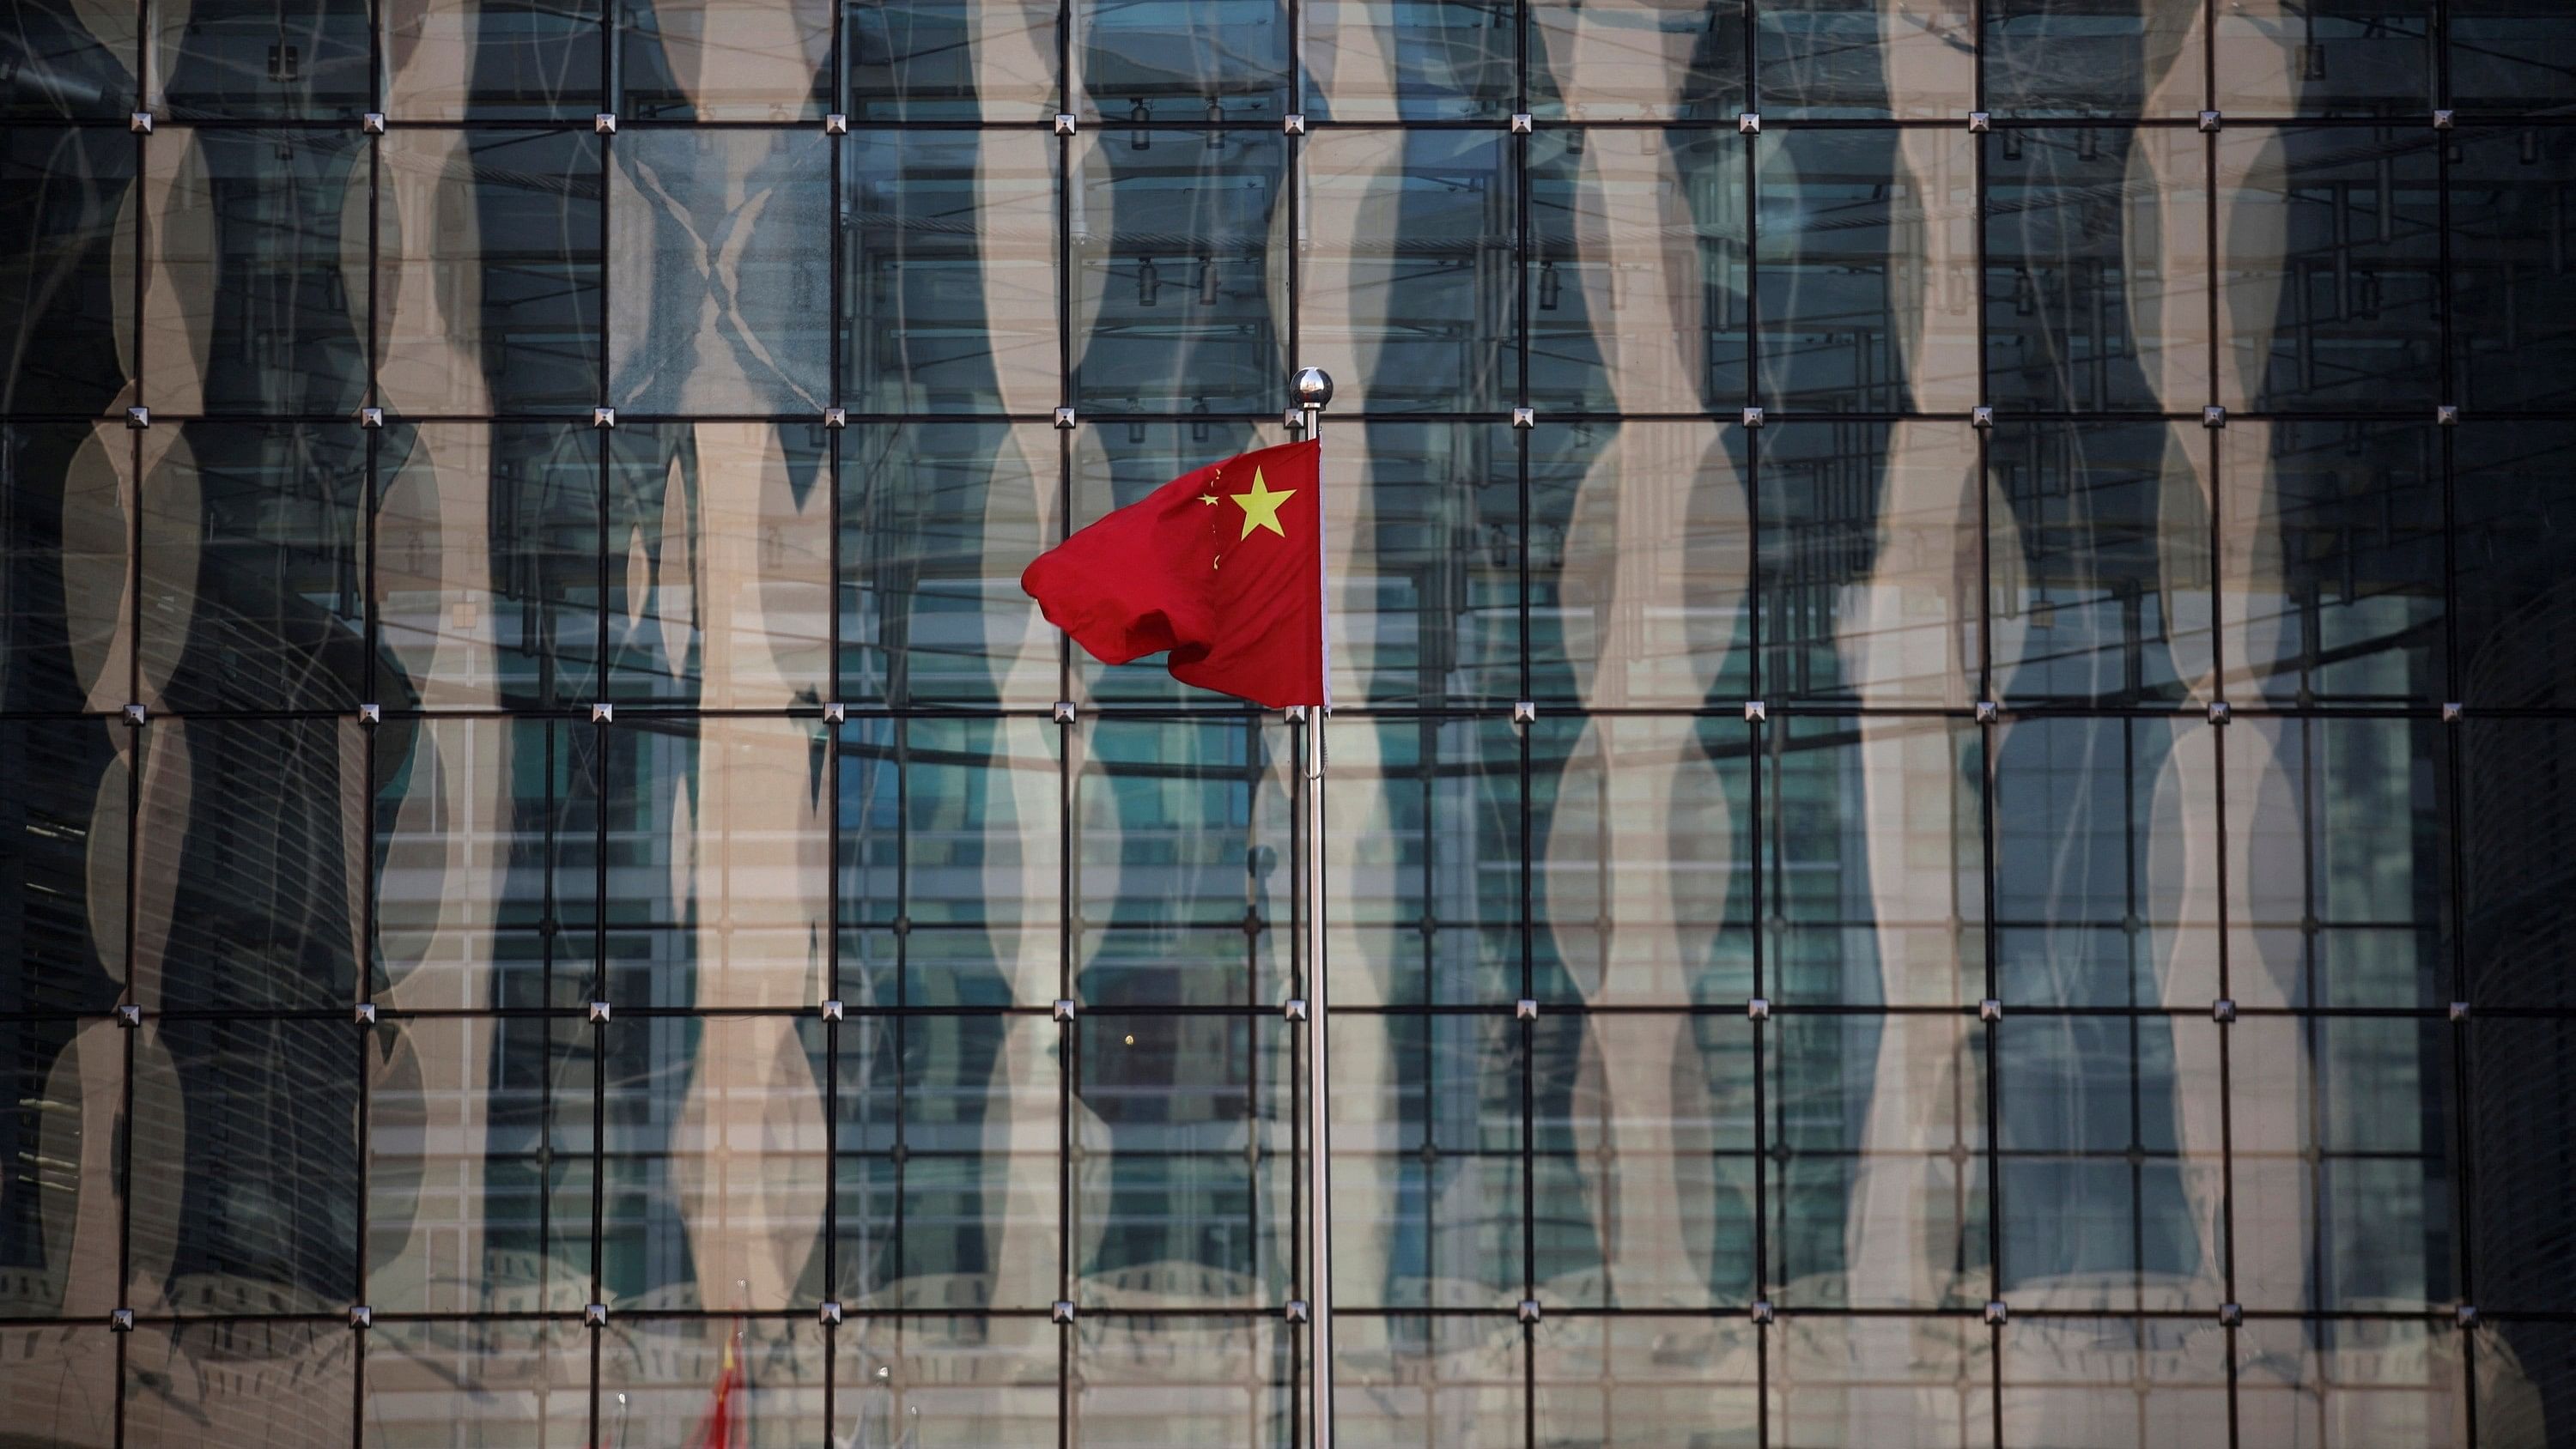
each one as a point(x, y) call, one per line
point(1955, 664)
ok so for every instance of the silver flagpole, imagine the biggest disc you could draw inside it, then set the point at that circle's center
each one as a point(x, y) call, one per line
point(1314, 390)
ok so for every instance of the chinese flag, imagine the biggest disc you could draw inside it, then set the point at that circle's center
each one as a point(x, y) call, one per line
point(1223, 567)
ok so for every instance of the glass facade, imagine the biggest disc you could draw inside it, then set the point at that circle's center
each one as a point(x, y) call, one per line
point(1959, 837)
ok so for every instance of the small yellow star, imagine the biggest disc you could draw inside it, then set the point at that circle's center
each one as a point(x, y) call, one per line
point(1208, 498)
point(1261, 506)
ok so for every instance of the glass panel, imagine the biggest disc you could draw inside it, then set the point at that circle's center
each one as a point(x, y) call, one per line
point(2087, 58)
point(2105, 881)
point(1637, 564)
point(487, 272)
point(1642, 1135)
point(1180, 1195)
point(2097, 269)
point(2511, 55)
point(2339, 883)
point(1423, 532)
point(1636, 303)
point(748, 1383)
point(946, 1383)
point(948, 1171)
point(719, 863)
point(2344, 1157)
point(482, 60)
point(2513, 342)
point(1427, 1161)
point(1183, 861)
point(487, 863)
point(255, 291)
point(1410, 60)
point(2333, 539)
point(60, 1181)
point(1837, 59)
point(254, 567)
point(63, 1390)
point(2515, 792)
point(719, 561)
point(2520, 1073)
point(488, 565)
point(2344, 1384)
point(2099, 562)
point(1626, 60)
point(1406, 288)
point(484, 1383)
point(251, 1200)
point(250, 865)
point(714, 1173)
point(1869, 534)
point(1877, 1175)
point(1862, 1383)
point(2115, 1383)
point(1218, 60)
point(63, 846)
point(66, 542)
point(2361, 58)
point(282, 1385)
point(479, 1165)
point(937, 522)
point(1605, 1382)
point(1866, 247)
point(66, 302)
point(1873, 861)
point(721, 301)
point(951, 272)
point(2514, 519)
point(2331, 249)
point(2112, 1173)
point(1177, 306)
point(951, 60)
point(1422, 865)
point(724, 60)
point(1641, 861)
point(1408, 1380)
point(1197, 1380)
point(949, 837)
point(238, 59)
point(1116, 464)
point(69, 60)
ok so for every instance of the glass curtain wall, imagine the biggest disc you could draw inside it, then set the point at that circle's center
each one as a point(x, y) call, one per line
point(1948, 815)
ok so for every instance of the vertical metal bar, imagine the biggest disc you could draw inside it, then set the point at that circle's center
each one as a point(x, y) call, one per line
point(1319, 1237)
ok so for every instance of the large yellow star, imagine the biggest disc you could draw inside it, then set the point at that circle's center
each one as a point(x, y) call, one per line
point(1261, 506)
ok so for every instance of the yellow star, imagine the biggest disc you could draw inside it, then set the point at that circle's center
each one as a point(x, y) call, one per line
point(1208, 498)
point(1261, 506)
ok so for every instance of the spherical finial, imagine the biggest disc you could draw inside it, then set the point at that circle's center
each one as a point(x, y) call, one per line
point(1314, 387)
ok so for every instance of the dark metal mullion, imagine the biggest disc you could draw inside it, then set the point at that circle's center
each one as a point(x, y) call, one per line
point(839, 334)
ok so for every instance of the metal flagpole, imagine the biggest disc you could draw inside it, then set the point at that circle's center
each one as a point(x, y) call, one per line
point(1314, 390)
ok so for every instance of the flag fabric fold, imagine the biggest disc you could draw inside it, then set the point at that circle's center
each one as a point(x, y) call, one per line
point(1222, 568)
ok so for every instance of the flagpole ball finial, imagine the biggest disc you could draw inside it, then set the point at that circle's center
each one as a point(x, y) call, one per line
point(1314, 387)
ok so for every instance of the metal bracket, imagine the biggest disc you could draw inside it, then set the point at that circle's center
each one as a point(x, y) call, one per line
point(594, 1315)
point(603, 417)
point(836, 713)
point(2442, 120)
point(2210, 120)
point(2448, 415)
point(364, 1013)
point(599, 1011)
point(2231, 1315)
point(1524, 711)
point(2219, 713)
point(829, 1314)
point(361, 1316)
point(1529, 1310)
point(1524, 417)
point(1996, 1312)
point(1063, 1010)
point(1981, 416)
point(836, 124)
point(1296, 1310)
point(129, 1015)
point(2467, 1315)
point(1988, 711)
point(603, 714)
point(2213, 417)
point(1063, 1312)
point(140, 123)
point(605, 123)
point(138, 417)
point(1294, 1009)
point(136, 715)
point(831, 1008)
point(2451, 712)
point(372, 123)
point(1521, 123)
point(2459, 1011)
point(1762, 1311)
point(1756, 711)
point(1990, 1010)
point(1294, 123)
point(1759, 1008)
point(1749, 123)
point(2222, 1011)
point(120, 1320)
point(1064, 417)
point(1064, 711)
point(1752, 417)
point(1980, 122)
point(1525, 1010)
point(371, 417)
point(836, 417)
point(1064, 123)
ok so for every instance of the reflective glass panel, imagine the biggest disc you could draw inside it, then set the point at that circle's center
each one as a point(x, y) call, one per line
point(2511, 55)
point(63, 841)
point(1221, 60)
point(457, 60)
point(941, 60)
point(2513, 345)
point(66, 305)
point(2283, 58)
point(1422, 863)
point(1427, 1161)
point(65, 556)
point(1631, 60)
point(1638, 1381)
point(259, 59)
point(487, 280)
point(2124, 58)
point(499, 1383)
point(1864, 59)
point(1405, 296)
point(1410, 60)
point(949, 286)
point(723, 60)
point(70, 60)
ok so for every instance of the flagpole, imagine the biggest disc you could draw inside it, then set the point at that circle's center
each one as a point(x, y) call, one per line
point(1314, 390)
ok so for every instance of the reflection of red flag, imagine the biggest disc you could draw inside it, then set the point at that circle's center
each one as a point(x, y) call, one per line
point(719, 1433)
point(1223, 566)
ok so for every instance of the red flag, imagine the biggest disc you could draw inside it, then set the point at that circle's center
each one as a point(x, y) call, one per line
point(718, 1431)
point(1223, 567)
